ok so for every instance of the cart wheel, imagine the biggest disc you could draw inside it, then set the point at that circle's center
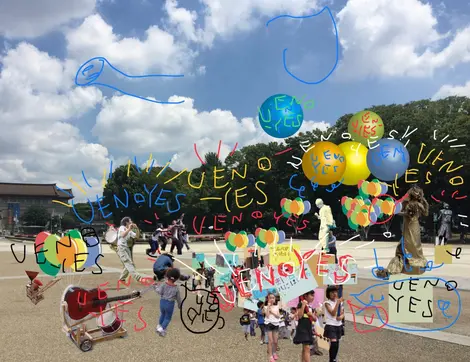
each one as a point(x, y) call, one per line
point(86, 345)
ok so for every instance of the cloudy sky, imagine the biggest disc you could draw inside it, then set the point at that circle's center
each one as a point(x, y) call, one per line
point(390, 52)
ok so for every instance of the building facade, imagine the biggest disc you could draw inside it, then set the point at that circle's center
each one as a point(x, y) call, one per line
point(15, 198)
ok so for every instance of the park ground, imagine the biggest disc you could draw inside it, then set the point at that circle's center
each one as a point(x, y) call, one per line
point(33, 332)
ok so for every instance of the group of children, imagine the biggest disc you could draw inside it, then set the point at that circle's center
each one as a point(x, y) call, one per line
point(301, 325)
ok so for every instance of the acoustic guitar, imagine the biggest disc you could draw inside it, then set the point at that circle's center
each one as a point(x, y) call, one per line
point(81, 302)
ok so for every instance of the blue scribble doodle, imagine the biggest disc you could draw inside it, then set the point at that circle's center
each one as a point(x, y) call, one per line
point(90, 71)
point(84, 179)
point(430, 266)
point(65, 192)
point(300, 189)
point(110, 168)
point(285, 50)
point(334, 186)
point(377, 267)
point(443, 305)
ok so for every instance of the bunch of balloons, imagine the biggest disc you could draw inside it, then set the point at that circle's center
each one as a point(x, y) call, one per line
point(267, 237)
point(326, 163)
point(70, 251)
point(371, 188)
point(296, 207)
point(356, 210)
point(240, 240)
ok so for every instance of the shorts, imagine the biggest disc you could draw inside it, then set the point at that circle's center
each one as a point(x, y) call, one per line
point(246, 329)
point(271, 327)
point(333, 332)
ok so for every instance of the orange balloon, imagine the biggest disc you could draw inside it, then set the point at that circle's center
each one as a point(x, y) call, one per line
point(324, 163)
point(371, 188)
point(294, 207)
point(386, 208)
point(238, 240)
point(269, 237)
point(361, 219)
point(66, 250)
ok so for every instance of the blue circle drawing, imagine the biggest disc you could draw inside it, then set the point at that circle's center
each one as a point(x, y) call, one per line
point(388, 159)
point(281, 115)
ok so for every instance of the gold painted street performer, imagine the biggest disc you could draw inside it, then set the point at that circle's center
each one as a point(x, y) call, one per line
point(409, 257)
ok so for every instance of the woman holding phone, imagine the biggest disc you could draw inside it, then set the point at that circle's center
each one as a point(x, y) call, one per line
point(124, 252)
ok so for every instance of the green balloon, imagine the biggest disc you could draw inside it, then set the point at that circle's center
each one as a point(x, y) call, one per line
point(231, 238)
point(243, 232)
point(74, 234)
point(230, 246)
point(45, 266)
point(272, 228)
point(353, 217)
point(299, 199)
point(50, 249)
point(351, 225)
point(366, 126)
point(345, 210)
point(260, 243)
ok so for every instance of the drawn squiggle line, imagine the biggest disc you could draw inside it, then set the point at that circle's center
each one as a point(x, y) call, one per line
point(91, 77)
point(285, 50)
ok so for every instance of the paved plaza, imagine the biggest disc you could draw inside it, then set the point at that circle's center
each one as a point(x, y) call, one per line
point(33, 332)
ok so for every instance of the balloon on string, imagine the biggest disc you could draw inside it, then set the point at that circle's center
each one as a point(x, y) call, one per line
point(94, 250)
point(66, 250)
point(251, 240)
point(398, 207)
point(282, 236)
point(352, 225)
point(388, 160)
point(229, 246)
point(308, 207)
point(45, 266)
point(283, 201)
point(40, 239)
point(50, 249)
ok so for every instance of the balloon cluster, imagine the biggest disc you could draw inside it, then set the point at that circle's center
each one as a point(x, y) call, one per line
point(296, 207)
point(240, 240)
point(267, 237)
point(326, 163)
point(262, 238)
point(70, 251)
point(361, 211)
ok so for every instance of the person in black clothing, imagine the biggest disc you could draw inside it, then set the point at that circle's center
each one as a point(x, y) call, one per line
point(245, 323)
point(163, 263)
point(303, 332)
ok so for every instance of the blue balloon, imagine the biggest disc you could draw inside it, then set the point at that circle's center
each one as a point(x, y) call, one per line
point(93, 251)
point(282, 236)
point(251, 240)
point(281, 115)
point(388, 159)
point(308, 207)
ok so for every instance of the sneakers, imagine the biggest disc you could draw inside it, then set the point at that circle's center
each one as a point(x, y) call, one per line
point(261, 342)
point(159, 329)
point(163, 334)
point(275, 356)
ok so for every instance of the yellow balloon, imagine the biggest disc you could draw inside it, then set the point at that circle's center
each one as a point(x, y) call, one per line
point(356, 162)
point(324, 163)
point(301, 208)
point(82, 250)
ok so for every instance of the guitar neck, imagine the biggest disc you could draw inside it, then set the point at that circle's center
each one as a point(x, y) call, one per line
point(121, 297)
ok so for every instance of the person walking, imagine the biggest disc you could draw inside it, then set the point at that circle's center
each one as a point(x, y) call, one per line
point(124, 251)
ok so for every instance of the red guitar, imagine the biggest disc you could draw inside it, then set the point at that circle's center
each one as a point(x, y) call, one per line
point(81, 302)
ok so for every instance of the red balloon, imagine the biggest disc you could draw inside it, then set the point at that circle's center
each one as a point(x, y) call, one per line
point(227, 234)
point(40, 238)
point(343, 200)
point(257, 231)
point(283, 201)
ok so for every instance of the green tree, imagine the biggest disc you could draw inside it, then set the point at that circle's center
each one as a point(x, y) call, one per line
point(36, 215)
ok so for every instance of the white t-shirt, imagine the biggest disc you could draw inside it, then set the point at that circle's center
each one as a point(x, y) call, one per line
point(329, 319)
point(122, 241)
point(271, 319)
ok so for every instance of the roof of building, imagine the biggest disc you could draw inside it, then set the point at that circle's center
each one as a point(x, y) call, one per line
point(44, 190)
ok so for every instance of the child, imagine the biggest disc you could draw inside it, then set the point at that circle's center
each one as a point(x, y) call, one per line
point(293, 322)
point(334, 325)
point(282, 324)
point(245, 322)
point(252, 324)
point(260, 317)
point(304, 333)
point(169, 292)
point(272, 320)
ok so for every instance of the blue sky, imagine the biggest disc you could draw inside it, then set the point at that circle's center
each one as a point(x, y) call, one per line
point(389, 53)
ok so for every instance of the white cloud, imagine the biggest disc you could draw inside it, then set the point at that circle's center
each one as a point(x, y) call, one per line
point(224, 18)
point(175, 128)
point(396, 38)
point(36, 101)
point(448, 90)
point(30, 19)
point(158, 52)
